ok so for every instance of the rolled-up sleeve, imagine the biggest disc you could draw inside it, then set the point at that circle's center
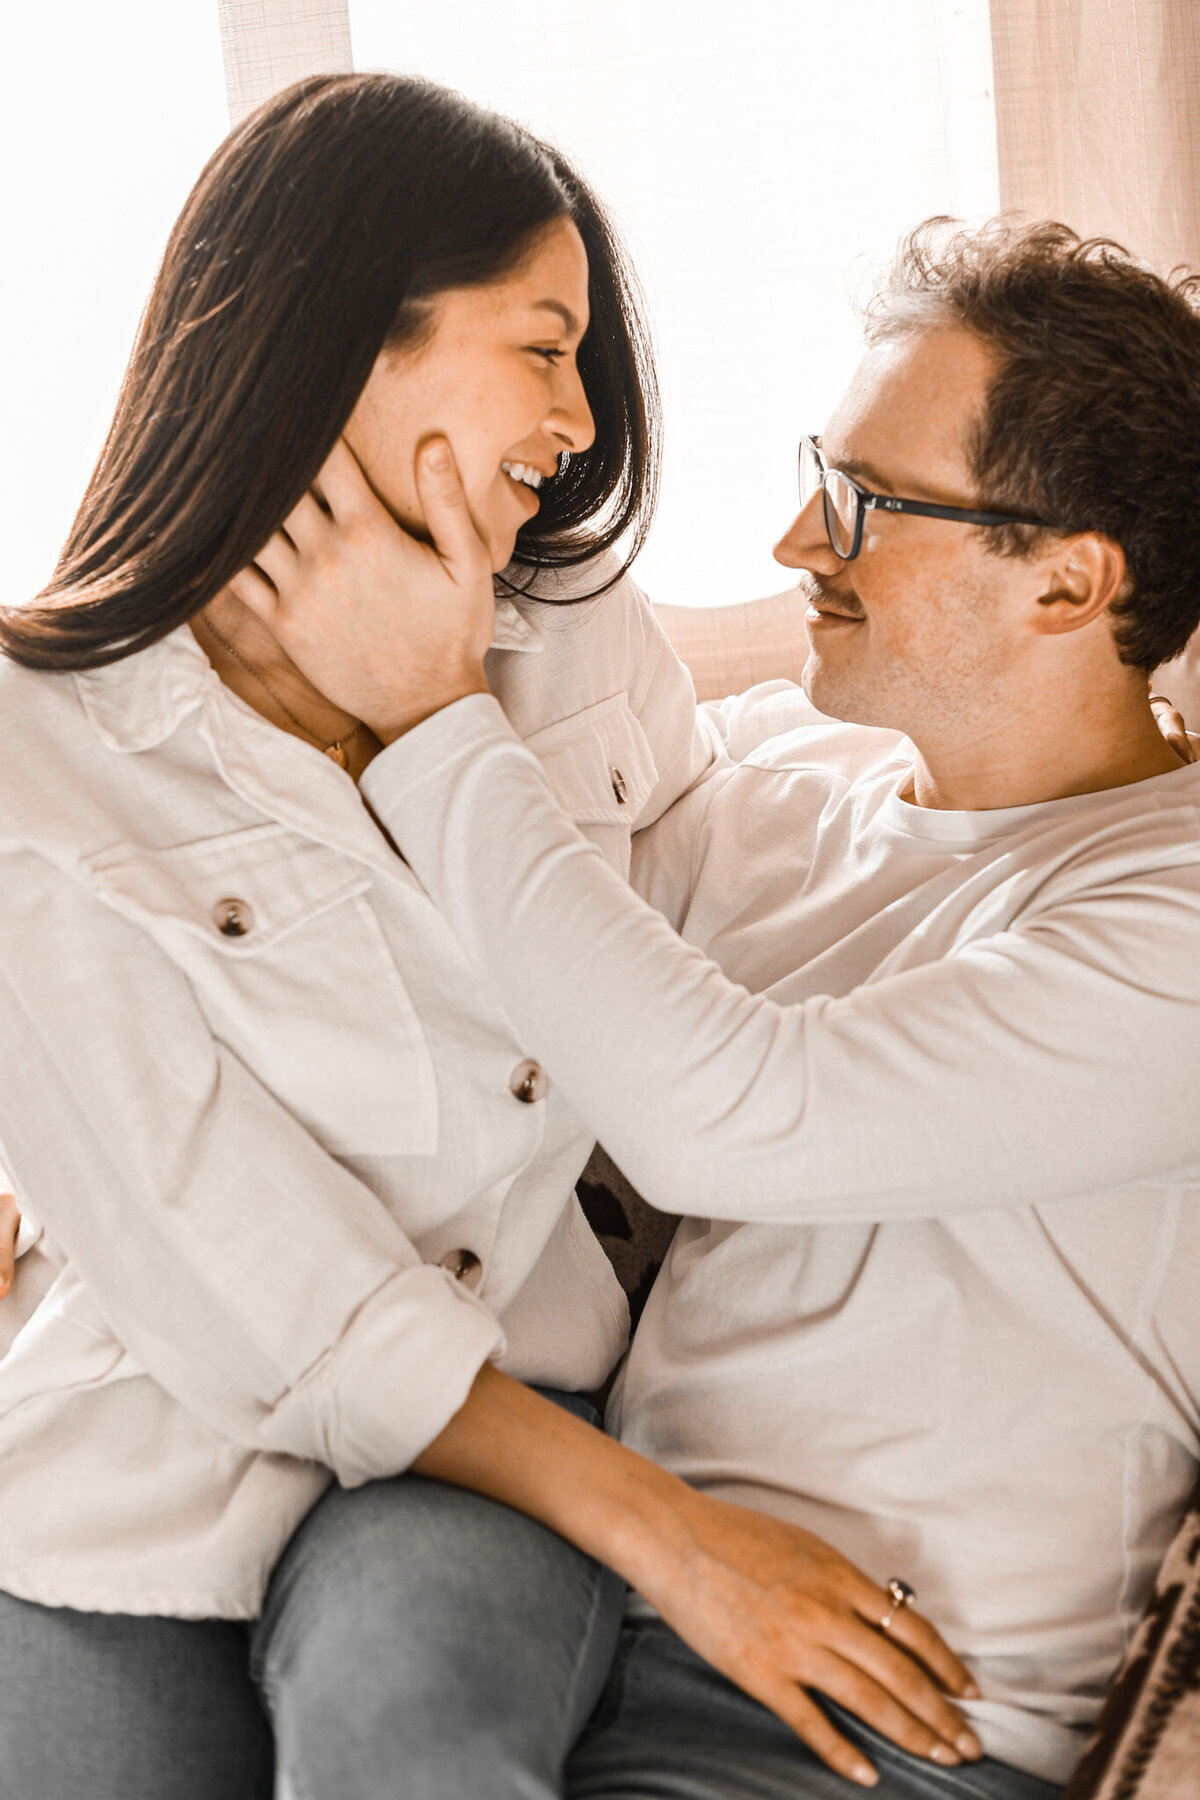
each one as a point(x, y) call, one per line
point(251, 1274)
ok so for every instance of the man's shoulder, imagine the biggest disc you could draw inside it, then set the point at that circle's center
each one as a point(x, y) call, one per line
point(775, 727)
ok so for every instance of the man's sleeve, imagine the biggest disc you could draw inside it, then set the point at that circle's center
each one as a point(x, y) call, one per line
point(1042, 1061)
point(248, 1272)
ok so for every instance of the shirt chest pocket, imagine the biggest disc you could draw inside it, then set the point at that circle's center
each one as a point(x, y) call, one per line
point(280, 941)
point(602, 770)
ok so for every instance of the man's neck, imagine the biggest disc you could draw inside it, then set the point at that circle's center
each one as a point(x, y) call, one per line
point(1046, 751)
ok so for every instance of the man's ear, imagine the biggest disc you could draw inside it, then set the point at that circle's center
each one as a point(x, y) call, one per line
point(1081, 576)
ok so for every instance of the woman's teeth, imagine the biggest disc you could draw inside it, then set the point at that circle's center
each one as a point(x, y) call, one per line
point(524, 472)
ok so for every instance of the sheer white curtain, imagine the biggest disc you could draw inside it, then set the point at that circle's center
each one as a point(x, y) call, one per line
point(759, 157)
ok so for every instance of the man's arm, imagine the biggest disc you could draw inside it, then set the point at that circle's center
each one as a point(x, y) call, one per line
point(1027, 1065)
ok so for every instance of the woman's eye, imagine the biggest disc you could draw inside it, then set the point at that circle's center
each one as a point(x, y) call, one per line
point(551, 356)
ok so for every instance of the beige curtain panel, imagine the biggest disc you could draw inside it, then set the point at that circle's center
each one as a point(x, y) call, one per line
point(1098, 118)
point(269, 43)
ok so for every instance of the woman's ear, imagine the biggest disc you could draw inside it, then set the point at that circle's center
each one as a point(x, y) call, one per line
point(1082, 576)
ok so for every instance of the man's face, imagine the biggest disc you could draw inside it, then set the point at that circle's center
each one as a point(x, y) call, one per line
point(924, 629)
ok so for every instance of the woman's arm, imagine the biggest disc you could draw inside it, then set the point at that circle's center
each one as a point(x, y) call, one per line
point(273, 1295)
point(776, 1609)
point(10, 1224)
point(257, 1280)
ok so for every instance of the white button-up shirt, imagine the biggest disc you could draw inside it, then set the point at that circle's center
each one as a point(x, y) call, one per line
point(298, 1175)
point(938, 1301)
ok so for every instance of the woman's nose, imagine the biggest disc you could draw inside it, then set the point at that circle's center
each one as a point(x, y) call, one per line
point(805, 544)
point(571, 420)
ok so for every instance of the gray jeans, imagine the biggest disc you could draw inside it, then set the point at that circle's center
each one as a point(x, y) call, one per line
point(669, 1727)
point(417, 1641)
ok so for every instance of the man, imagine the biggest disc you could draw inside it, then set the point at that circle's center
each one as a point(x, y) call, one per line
point(936, 1302)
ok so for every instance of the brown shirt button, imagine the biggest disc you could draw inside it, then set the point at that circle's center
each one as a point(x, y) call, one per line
point(233, 918)
point(618, 786)
point(529, 1082)
point(465, 1266)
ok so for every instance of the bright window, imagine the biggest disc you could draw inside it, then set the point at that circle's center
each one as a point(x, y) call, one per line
point(109, 113)
point(760, 158)
point(759, 155)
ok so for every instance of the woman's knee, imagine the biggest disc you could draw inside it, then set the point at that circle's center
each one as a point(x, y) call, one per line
point(97, 1706)
point(413, 1621)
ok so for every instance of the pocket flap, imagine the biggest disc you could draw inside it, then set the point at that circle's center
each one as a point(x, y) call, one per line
point(278, 878)
point(599, 762)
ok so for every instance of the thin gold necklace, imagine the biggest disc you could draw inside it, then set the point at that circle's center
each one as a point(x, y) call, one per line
point(336, 752)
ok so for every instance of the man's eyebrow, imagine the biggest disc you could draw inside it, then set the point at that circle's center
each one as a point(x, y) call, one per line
point(865, 472)
point(570, 322)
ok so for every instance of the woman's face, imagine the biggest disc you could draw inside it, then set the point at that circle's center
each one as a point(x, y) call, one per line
point(498, 377)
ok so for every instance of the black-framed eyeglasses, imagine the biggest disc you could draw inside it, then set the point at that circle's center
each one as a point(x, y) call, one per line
point(847, 503)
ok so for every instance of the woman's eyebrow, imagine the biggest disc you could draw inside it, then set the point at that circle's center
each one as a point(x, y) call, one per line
point(570, 322)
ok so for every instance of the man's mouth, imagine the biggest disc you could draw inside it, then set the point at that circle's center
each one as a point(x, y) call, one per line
point(822, 605)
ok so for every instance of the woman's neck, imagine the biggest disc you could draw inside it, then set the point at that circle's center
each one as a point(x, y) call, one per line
point(252, 663)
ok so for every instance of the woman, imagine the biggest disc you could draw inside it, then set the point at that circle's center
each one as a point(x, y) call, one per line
point(307, 1200)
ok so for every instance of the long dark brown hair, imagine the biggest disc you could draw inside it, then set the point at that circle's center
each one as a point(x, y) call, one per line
point(306, 247)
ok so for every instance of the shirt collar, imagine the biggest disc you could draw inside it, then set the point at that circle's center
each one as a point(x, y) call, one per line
point(137, 703)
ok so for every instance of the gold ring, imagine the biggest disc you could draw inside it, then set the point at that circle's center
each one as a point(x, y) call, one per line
point(900, 1595)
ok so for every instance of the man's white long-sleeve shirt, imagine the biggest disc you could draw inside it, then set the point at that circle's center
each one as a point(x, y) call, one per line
point(940, 1142)
point(262, 1106)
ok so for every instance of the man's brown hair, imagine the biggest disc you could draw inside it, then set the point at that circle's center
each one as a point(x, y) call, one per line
point(1092, 420)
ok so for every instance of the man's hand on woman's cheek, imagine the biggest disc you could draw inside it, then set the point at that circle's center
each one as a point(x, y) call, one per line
point(386, 627)
point(10, 1224)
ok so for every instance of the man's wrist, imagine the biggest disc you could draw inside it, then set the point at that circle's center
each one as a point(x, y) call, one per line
point(400, 721)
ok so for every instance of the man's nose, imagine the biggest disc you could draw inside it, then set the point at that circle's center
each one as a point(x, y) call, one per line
point(805, 544)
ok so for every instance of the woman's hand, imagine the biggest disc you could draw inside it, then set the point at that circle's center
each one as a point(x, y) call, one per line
point(780, 1611)
point(10, 1224)
point(771, 1606)
point(1185, 743)
point(388, 628)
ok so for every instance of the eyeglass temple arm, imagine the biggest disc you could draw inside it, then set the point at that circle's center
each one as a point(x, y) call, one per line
point(927, 509)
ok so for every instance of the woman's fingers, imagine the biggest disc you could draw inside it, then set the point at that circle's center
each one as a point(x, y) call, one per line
point(10, 1224)
point(901, 1693)
point(1171, 723)
point(915, 1634)
point(814, 1727)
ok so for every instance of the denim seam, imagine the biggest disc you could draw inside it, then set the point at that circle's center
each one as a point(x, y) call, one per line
point(598, 1585)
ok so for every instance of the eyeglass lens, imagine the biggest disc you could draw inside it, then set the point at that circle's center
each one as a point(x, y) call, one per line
point(841, 500)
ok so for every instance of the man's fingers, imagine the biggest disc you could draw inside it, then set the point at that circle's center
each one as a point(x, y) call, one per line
point(252, 588)
point(277, 560)
point(341, 486)
point(10, 1224)
point(447, 515)
point(307, 523)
